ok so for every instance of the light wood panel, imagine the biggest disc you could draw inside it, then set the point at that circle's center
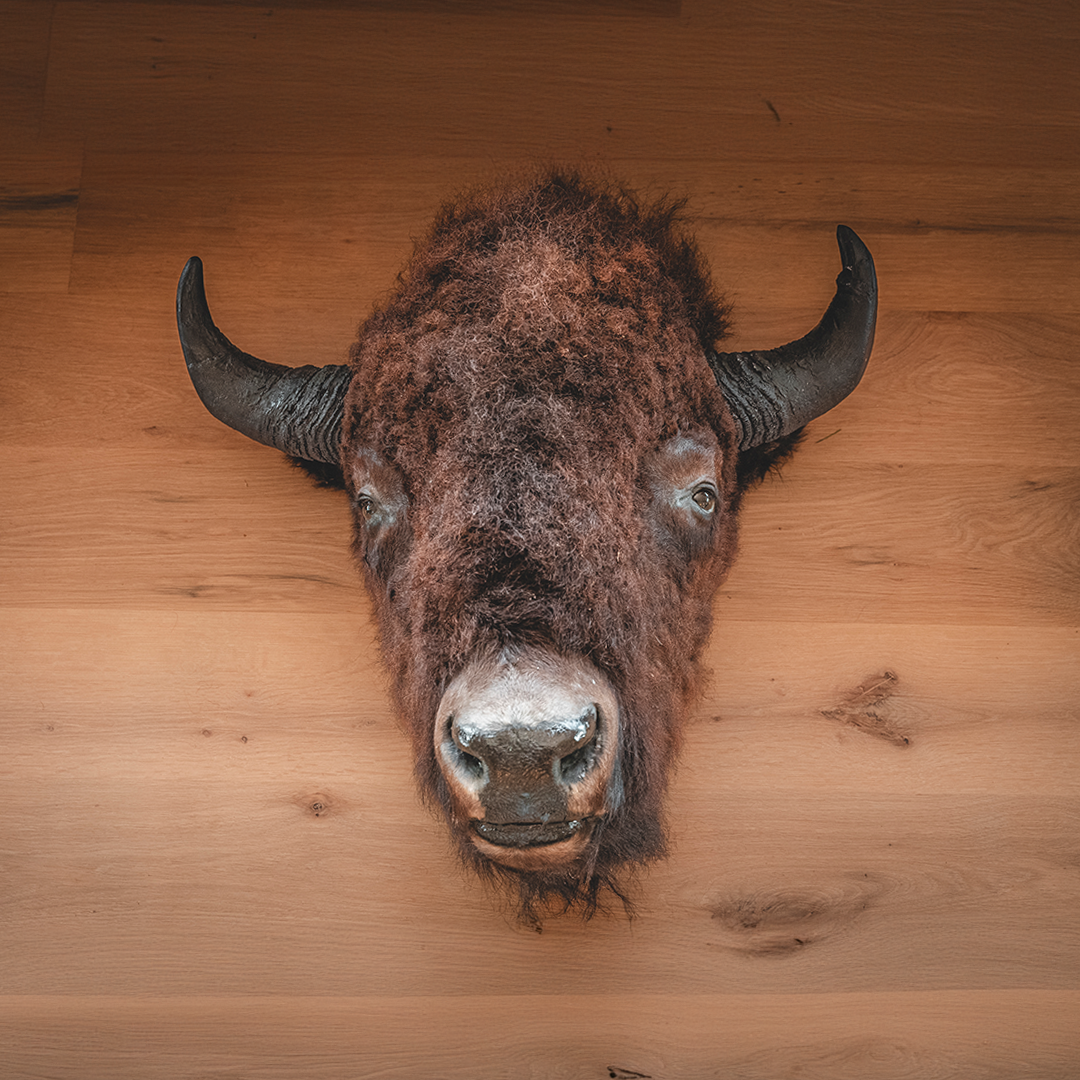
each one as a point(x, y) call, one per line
point(581, 1038)
point(213, 859)
point(964, 697)
point(347, 228)
point(151, 533)
point(944, 388)
point(132, 881)
point(996, 1036)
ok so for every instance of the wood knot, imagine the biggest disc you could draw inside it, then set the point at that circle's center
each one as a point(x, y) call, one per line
point(318, 805)
point(784, 921)
point(864, 709)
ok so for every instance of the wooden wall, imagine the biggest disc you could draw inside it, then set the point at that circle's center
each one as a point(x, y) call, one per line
point(213, 861)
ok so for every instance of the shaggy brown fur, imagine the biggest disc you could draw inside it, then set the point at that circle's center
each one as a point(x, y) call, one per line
point(515, 394)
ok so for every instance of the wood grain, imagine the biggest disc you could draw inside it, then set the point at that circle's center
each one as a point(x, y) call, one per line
point(618, 87)
point(214, 862)
point(945, 387)
point(966, 697)
point(1006, 542)
point(24, 54)
point(39, 197)
point(137, 883)
point(596, 1037)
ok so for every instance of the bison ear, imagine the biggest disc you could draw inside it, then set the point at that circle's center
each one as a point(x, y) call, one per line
point(775, 392)
point(297, 410)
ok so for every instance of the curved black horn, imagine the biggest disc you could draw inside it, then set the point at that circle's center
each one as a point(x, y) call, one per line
point(774, 392)
point(298, 410)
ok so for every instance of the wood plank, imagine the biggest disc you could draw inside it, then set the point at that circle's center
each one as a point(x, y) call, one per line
point(656, 8)
point(334, 881)
point(968, 709)
point(879, 542)
point(941, 387)
point(130, 537)
point(100, 371)
point(340, 228)
point(394, 196)
point(39, 197)
point(998, 1035)
point(625, 86)
point(173, 676)
point(944, 388)
point(267, 691)
point(805, 193)
point(849, 543)
point(923, 270)
point(24, 54)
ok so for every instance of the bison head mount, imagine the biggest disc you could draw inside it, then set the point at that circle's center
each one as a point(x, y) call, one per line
point(545, 453)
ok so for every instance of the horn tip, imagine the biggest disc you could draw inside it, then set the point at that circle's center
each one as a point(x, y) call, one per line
point(852, 249)
point(191, 278)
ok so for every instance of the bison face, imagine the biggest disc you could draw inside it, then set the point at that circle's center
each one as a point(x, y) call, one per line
point(543, 453)
point(541, 625)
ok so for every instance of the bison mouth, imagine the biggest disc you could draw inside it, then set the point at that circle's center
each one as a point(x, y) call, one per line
point(528, 834)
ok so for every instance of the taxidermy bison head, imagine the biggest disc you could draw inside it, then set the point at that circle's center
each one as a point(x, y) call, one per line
point(545, 455)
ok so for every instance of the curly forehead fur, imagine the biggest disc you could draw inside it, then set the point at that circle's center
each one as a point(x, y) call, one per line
point(544, 343)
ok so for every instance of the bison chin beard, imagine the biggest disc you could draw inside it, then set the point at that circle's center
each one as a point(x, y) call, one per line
point(620, 843)
point(598, 880)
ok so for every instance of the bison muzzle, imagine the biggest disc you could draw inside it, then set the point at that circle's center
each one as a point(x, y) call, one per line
point(545, 453)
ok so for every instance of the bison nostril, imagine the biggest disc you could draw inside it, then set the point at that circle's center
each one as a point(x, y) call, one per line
point(572, 767)
point(522, 758)
point(469, 764)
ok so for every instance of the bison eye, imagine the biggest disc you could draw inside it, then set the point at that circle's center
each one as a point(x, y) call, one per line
point(365, 505)
point(705, 497)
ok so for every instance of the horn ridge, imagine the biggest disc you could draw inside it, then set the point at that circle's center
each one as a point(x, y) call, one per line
point(296, 410)
point(776, 391)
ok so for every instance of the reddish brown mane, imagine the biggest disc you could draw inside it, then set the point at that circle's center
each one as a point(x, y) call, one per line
point(542, 342)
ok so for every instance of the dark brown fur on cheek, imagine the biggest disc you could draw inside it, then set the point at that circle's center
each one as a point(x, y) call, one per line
point(544, 341)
